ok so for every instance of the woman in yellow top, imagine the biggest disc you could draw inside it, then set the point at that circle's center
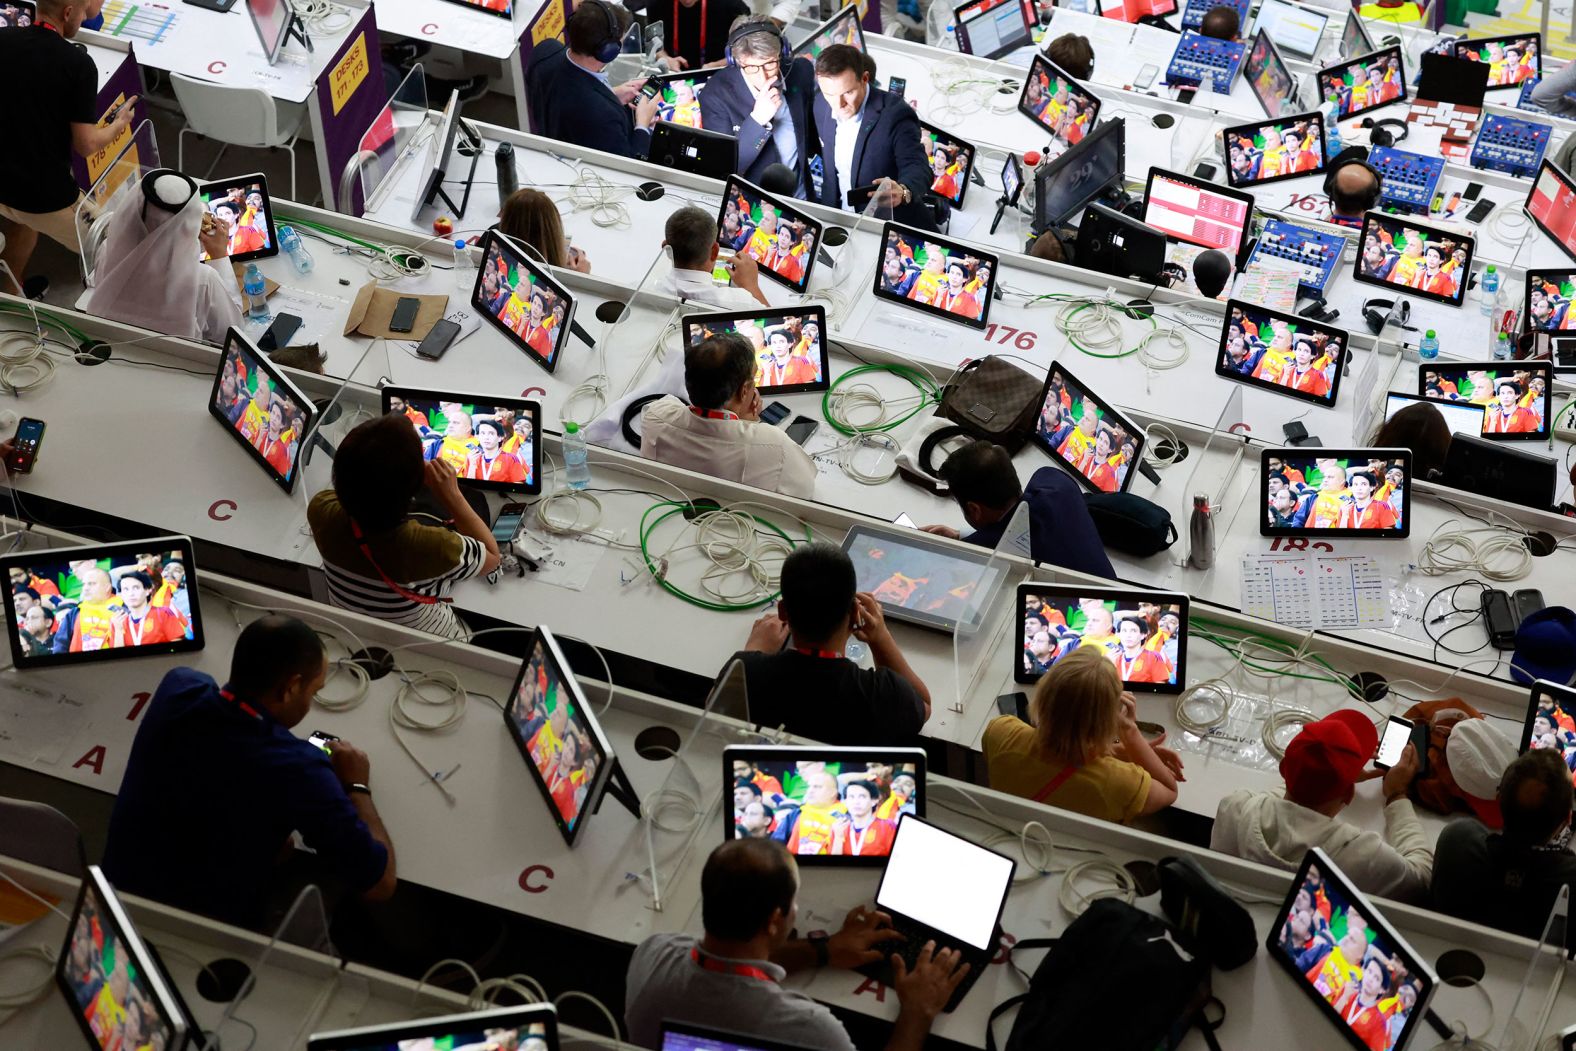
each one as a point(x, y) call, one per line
point(1083, 751)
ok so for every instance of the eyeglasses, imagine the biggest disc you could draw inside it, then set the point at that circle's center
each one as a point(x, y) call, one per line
point(769, 69)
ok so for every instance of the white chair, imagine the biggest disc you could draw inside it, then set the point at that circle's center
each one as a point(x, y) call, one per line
point(236, 117)
point(41, 835)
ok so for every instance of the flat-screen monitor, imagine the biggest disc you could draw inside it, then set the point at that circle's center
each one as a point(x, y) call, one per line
point(1551, 719)
point(1142, 633)
point(1551, 203)
point(790, 345)
point(1354, 36)
point(993, 28)
point(1365, 83)
point(841, 28)
point(245, 207)
point(1363, 493)
point(1504, 472)
point(531, 1027)
point(568, 755)
point(682, 1036)
point(490, 440)
point(918, 578)
point(1081, 431)
point(1510, 59)
point(1068, 183)
point(1055, 101)
point(1266, 73)
point(1514, 395)
point(951, 161)
point(1198, 212)
point(678, 96)
point(439, 148)
point(1341, 952)
point(1287, 148)
point(945, 278)
point(1110, 242)
point(941, 880)
point(1460, 417)
point(115, 988)
point(271, 19)
point(519, 297)
point(1396, 253)
point(1294, 28)
point(261, 409)
point(1281, 352)
point(17, 14)
point(769, 230)
point(828, 806)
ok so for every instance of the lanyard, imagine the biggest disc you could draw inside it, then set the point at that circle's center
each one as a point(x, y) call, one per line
point(248, 709)
point(829, 654)
point(713, 414)
point(741, 970)
point(135, 627)
point(702, 28)
point(397, 588)
point(44, 23)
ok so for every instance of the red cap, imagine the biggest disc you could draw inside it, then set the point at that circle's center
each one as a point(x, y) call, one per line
point(1032, 158)
point(1326, 758)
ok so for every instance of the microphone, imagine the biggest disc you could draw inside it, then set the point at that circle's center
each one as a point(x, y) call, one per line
point(779, 179)
point(1211, 271)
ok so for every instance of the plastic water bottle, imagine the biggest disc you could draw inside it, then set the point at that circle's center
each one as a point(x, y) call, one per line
point(1332, 127)
point(1201, 533)
point(1502, 347)
point(464, 270)
point(1428, 349)
point(256, 290)
point(1488, 286)
point(577, 474)
point(295, 248)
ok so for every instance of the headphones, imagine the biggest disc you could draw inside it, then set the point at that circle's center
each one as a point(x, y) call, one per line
point(1372, 198)
point(1378, 313)
point(613, 46)
point(1379, 136)
point(757, 25)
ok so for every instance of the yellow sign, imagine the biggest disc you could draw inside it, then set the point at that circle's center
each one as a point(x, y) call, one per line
point(549, 24)
point(347, 76)
point(100, 161)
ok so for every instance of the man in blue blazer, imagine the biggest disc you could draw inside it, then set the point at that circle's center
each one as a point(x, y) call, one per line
point(763, 96)
point(569, 96)
point(884, 134)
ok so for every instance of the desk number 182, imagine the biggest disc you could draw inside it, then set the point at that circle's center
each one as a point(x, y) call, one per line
point(1022, 339)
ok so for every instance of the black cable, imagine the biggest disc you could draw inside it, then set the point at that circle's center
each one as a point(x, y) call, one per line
point(207, 373)
point(1455, 609)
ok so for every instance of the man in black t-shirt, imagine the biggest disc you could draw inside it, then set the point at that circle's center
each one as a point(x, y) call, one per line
point(797, 677)
point(695, 32)
point(52, 88)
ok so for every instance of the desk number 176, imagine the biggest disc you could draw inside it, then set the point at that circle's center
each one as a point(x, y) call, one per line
point(1020, 338)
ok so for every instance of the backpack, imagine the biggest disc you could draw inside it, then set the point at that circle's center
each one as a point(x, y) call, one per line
point(1081, 995)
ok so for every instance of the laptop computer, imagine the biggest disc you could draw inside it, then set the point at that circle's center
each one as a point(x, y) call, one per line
point(943, 888)
point(682, 1036)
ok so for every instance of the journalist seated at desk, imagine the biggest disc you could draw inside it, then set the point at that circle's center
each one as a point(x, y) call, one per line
point(691, 237)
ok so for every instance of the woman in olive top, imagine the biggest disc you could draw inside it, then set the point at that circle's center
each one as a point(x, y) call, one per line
point(1083, 750)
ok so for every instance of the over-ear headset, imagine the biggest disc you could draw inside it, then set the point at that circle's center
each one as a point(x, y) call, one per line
point(757, 25)
point(1372, 197)
point(1379, 134)
point(613, 46)
point(1379, 312)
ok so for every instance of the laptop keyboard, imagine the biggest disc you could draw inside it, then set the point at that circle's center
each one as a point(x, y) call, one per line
point(915, 935)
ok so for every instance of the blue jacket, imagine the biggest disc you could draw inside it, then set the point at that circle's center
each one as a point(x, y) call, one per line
point(725, 105)
point(572, 105)
point(1061, 532)
point(888, 147)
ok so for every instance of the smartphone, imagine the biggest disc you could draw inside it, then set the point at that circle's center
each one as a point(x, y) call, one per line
point(319, 739)
point(1499, 620)
point(1014, 704)
point(1397, 735)
point(801, 428)
point(1205, 170)
point(279, 333)
point(1473, 189)
point(404, 318)
point(859, 196)
point(436, 342)
point(24, 446)
point(650, 88)
point(903, 520)
point(897, 85)
point(1480, 211)
point(1525, 603)
point(507, 525)
point(1146, 76)
point(774, 413)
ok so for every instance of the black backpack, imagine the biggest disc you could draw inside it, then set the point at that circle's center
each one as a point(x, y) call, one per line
point(1082, 995)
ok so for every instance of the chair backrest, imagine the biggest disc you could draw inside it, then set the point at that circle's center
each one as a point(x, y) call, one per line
point(41, 835)
point(238, 116)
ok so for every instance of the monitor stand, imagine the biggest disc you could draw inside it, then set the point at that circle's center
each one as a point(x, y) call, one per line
point(297, 29)
point(619, 788)
point(469, 144)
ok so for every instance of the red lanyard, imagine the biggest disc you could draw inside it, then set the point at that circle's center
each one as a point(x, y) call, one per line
point(713, 414)
point(742, 970)
point(829, 654)
point(46, 24)
point(397, 588)
point(675, 40)
point(248, 709)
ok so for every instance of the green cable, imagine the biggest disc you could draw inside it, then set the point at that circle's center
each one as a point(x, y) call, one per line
point(45, 316)
point(674, 508)
point(929, 391)
point(1335, 677)
point(324, 228)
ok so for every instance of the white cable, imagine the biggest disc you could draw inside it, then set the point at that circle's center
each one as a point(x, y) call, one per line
point(1494, 550)
point(1111, 881)
point(51, 906)
point(851, 446)
point(1220, 689)
point(451, 706)
point(322, 16)
point(612, 1023)
point(1160, 363)
point(20, 998)
point(1163, 433)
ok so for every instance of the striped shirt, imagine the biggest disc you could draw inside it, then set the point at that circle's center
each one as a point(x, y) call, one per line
point(424, 560)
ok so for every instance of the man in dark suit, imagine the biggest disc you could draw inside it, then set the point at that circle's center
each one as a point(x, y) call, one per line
point(763, 98)
point(867, 136)
point(570, 97)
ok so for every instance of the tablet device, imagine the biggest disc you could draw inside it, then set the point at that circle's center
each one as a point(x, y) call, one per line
point(828, 806)
point(1295, 28)
point(790, 348)
point(918, 578)
point(993, 28)
point(1360, 493)
point(1055, 101)
point(948, 279)
point(1199, 212)
point(1551, 719)
point(678, 96)
point(1142, 633)
point(1281, 352)
point(1551, 203)
point(563, 746)
point(490, 441)
point(1510, 59)
point(1266, 73)
point(1011, 180)
point(1365, 83)
point(1289, 148)
point(531, 1027)
point(951, 163)
point(1546, 302)
point(521, 299)
point(1064, 186)
point(841, 28)
point(1082, 432)
point(1399, 254)
point(1514, 395)
point(1460, 417)
point(17, 13)
point(1354, 36)
point(1329, 937)
point(261, 409)
point(769, 230)
point(244, 205)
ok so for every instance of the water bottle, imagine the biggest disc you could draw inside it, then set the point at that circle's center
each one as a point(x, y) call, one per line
point(1502, 347)
point(256, 290)
point(507, 183)
point(1489, 286)
point(1332, 127)
point(464, 271)
point(577, 475)
point(1201, 533)
point(295, 248)
point(1428, 350)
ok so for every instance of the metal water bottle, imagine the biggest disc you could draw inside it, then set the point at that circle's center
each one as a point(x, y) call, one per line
point(1201, 534)
point(507, 183)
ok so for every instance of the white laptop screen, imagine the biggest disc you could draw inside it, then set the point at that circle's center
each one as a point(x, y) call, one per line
point(1460, 417)
point(945, 882)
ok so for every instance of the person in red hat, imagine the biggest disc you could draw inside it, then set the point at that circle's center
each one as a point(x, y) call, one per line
point(1322, 767)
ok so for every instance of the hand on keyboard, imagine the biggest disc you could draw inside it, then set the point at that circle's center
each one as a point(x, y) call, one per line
point(867, 935)
point(925, 987)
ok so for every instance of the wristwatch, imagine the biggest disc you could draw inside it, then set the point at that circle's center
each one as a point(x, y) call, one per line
point(357, 786)
point(819, 941)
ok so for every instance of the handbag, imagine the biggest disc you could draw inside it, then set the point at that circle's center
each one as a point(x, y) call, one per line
point(1131, 524)
point(994, 400)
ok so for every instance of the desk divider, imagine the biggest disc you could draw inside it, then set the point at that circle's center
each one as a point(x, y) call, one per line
point(134, 141)
point(988, 615)
point(1540, 989)
point(350, 94)
point(115, 180)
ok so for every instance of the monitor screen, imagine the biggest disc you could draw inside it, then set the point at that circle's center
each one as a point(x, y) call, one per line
point(916, 578)
point(1551, 203)
point(678, 97)
point(1514, 396)
point(1266, 73)
point(520, 299)
point(271, 19)
point(1336, 492)
point(1142, 633)
point(1551, 719)
point(1546, 303)
point(1510, 59)
point(841, 28)
point(992, 28)
point(946, 882)
point(790, 353)
point(1293, 27)
point(243, 205)
point(946, 278)
point(1096, 443)
point(1398, 253)
point(116, 990)
point(563, 747)
point(1064, 186)
point(1354, 36)
point(682, 1036)
point(261, 409)
point(826, 805)
point(951, 161)
point(1198, 212)
point(16, 13)
point(1369, 984)
point(1281, 149)
point(1281, 352)
point(1054, 100)
point(533, 1027)
point(769, 230)
point(1011, 179)
point(1460, 417)
point(490, 441)
point(1365, 83)
point(439, 146)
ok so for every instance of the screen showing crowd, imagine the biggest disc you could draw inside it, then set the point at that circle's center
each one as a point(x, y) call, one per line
point(555, 735)
point(1553, 725)
point(1326, 493)
point(1085, 436)
point(481, 443)
point(934, 275)
point(782, 243)
point(822, 809)
point(1275, 151)
point(913, 577)
point(1140, 640)
point(1403, 255)
point(108, 984)
point(678, 100)
point(1510, 61)
point(841, 28)
point(1367, 83)
point(19, 15)
point(950, 162)
point(1056, 102)
point(80, 606)
point(1281, 351)
point(1514, 401)
point(523, 303)
point(1267, 75)
point(789, 353)
point(532, 1037)
point(244, 211)
point(266, 418)
point(1549, 302)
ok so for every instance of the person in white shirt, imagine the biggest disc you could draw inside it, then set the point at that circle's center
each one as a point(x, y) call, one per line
point(691, 236)
point(719, 432)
